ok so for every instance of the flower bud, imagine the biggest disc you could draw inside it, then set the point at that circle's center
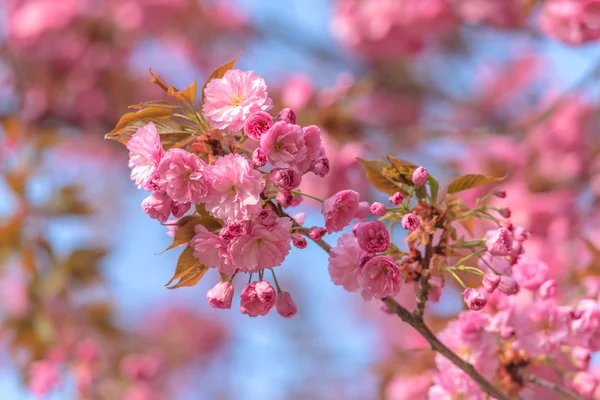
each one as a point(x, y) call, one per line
point(500, 242)
point(474, 299)
point(507, 332)
point(288, 115)
point(158, 206)
point(265, 292)
point(221, 295)
point(316, 232)
point(419, 176)
point(285, 178)
point(378, 209)
point(508, 285)
point(396, 199)
point(285, 198)
point(372, 236)
point(257, 123)
point(320, 166)
point(299, 241)
point(411, 222)
point(500, 193)
point(520, 234)
point(178, 209)
point(254, 304)
point(285, 305)
point(267, 218)
point(363, 210)
point(259, 158)
point(505, 212)
point(490, 282)
point(547, 289)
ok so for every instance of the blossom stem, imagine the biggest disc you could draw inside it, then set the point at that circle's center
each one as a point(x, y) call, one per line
point(276, 283)
point(299, 193)
point(457, 279)
point(550, 385)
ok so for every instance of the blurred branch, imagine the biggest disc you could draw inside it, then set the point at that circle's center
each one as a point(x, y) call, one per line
point(423, 293)
point(550, 385)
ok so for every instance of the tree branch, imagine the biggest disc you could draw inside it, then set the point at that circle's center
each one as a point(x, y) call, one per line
point(424, 287)
point(550, 385)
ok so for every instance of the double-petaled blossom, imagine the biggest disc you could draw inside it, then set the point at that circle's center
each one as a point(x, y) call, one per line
point(257, 298)
point(372, 236)
point(500, 242)
point(182, 175)
point(291, 146)
point(340, 209)
point(230, 100)
point(490, 282)
point(211, 250)
point(542, 328)
point(344, 260)
point(287, 115)
point(221, 295)
point(411, 222)
point(257, 124)
point(530, 273)
point(285, 178)
point(235, 189)
point(158, 206)
point(263, 247)
point(474, 299)
point(379, 277)
point(145, 153)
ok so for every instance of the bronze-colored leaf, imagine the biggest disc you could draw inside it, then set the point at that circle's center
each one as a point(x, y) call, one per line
point(187, 228)
point(155, 79)
point(83, 265)
point(184, 264)
point(131, 121)
point(471, 181)
point(220, 72)
point(191, 277)
point(187, 95)
point(153, 103)
point(402, 165)
point(375, 170)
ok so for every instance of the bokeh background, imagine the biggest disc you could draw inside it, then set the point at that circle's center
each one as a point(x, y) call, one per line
point(456, 88)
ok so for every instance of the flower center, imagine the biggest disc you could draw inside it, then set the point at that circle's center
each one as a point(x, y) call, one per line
point(237, 100)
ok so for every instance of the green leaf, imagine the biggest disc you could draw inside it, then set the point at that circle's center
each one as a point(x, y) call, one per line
point(375, 175)
point(220, 72)
point(471, 181)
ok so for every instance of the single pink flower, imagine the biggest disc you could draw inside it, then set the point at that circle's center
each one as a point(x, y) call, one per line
point(158, 206)
point(257, 123)
point(235, 189)
point(373, 236)
point(232, 99)
point(396, 199)
point(339, 210)
point(287, 115)
point(299, 241)
point(379, 277)
point(183, 176)
point(252, 305)
point(378, 209)
point(419, 176)
point(411, 222)
point(145, 153)
point(264, 247)
point(321, 166)
point(267, 218)
point(316, 232)
point(290, 146)
point(500, 242)
point(285, 178)
point(490, 282)
point(211, 250)
point(221, 295)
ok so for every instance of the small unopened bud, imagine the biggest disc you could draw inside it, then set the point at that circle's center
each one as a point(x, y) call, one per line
point(474, 299)
point(411, 222)
point(288, 115)
point(316, 232)
point(419, 176)
point(299, 241)
point(490, 282)
point(396, 199)
point(378, 209)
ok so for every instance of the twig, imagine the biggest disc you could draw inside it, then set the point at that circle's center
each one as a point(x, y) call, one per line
point(550, 385)
point(424, 287)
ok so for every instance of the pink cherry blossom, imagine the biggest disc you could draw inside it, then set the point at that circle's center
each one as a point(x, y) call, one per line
point(211, 250)
point(372, 236)
point(145, 153)
point(158, 206)
point(257, 123)
point(182, 175)
point(220, 295)
point(235, 189)
point(379, 277)
point(530, 273)
point(419, 176)
point(232, 99)
point(339, 210)
point(263, 247)
point(285, 305)
point(343, 262)
point(411, 222)
point(474, 299)
point(252, 305)
point(500, 242)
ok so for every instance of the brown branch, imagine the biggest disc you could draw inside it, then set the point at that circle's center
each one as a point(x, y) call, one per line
point(436, 345)
point(550, 385)
point(424, 287)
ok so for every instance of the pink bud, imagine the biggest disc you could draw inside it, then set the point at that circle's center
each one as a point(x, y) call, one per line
point(316, 232)
point(386, 309)
point(419, 176)
point(507, 332)
point(500, 243)
point(320, 166)
point(257, 123)
point(508, 285)
point(474, 299)
point(581, 357)
point(520, 234)
point(299, 241)
point(158, 206)
point(396, 199)
point(547, 289)
point(288, 115)
point(500, 193)
point(257, 298)
point(378, 209)
point(285, 305)
point(363, 210)
point(178, 209)
point(265, 292)
point(505, 212)
point(259, 158)
point(296, 200)
point(221, 295)
point(372, 236)
point(411, 222)
point(285, 178)
point(490, 282)
point(285, 198)
point(435, 290)
point(267, 218)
